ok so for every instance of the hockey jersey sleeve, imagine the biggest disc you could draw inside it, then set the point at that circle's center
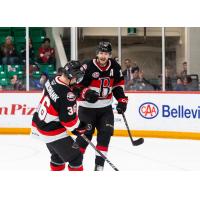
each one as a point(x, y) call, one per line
point(118, 86)
point(68, 112)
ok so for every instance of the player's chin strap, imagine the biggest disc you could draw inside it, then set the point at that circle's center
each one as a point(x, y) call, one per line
point(99, 152)
point(134, 142)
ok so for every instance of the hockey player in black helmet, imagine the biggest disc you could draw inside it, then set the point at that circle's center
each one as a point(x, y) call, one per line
point(56, 113)
point(103, 79)
point(73, 70)
point(104, 47)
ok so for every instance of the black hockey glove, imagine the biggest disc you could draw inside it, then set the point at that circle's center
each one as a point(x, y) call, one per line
point(77, 91)
point(81, 129)
point(122, 104)
point(91, 96)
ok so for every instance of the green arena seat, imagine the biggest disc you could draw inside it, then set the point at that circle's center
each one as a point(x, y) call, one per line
point(1, 68)
point(37, 31)
point(18, 67)
point(18, 31)
point(47, 68)
point(43, 68)
point(2, 39)
point(50, 67)
point(37, 39)
point(52, 74)
point(2, 74)
point(36, 74)
point(4, 81)
point(20, 39)
point(5, 31)
point(20, 74)
point(10, 74)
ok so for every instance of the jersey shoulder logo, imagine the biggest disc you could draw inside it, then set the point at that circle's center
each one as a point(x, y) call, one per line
point(95, 75)
point(71, 96)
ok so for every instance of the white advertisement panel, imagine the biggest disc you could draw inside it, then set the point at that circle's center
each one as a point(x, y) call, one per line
point(16, 109)
point(162, 112)
point(146, 111)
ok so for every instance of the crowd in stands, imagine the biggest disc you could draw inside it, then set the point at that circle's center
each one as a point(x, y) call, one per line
point(40, 60)
point(43, 65)
point(135, 80)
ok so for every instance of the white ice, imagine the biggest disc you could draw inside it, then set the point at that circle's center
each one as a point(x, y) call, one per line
point(19, 152)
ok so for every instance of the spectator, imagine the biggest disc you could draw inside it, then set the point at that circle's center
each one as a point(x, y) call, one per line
point(139, 82)
point(38, 84)
point(17, 84)
point(43, 78)
point(134, 78)
point(31, 53)
point(8, 52)
point(127, 72)
point(135, 73)
point(147, 85)
point(179, 84)
point(184, 69)
point(187, 82)
point(46, 52)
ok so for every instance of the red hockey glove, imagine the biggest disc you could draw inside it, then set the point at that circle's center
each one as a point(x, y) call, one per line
point(122, 104)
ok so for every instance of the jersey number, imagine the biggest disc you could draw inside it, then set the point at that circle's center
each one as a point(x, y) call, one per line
point(72, 110)
point(42, 111)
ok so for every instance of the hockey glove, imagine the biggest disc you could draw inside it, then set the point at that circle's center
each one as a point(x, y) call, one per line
point(91, 96)
point(76, 91)
point(81, 129)
point(122, 104)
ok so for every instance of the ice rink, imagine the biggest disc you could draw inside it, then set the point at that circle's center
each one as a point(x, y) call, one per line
point(19, 152)
point(158, 169)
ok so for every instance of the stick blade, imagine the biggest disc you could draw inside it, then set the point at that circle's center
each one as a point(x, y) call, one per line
point(138, 142)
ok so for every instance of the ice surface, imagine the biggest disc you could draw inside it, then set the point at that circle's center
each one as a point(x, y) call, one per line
point(19, 152)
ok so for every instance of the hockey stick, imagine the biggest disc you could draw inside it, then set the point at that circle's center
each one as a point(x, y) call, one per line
point(134, 142)
point(99, 152)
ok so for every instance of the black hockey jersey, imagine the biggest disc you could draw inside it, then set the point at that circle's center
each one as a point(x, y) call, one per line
point(106, 81)
point(56, 112)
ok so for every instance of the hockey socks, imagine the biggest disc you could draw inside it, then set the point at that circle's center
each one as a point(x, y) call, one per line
point(73, 168)
point(55, 167)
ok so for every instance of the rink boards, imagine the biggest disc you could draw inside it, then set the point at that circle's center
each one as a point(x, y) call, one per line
point(149, 114)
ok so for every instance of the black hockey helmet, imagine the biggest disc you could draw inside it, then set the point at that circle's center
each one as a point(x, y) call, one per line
point(74, 69)
point(104, 47)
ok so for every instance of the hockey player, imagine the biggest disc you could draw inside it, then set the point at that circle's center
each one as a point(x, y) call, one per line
point(55, 114)
point(103, 79)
